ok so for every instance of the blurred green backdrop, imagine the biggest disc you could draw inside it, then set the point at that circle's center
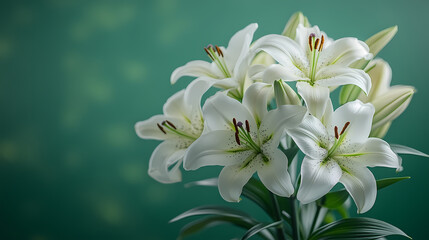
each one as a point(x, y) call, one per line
point(76, 75)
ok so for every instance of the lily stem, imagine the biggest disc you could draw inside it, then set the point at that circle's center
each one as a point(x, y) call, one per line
point(316, 216)
point(280, 232)
point(294, 213)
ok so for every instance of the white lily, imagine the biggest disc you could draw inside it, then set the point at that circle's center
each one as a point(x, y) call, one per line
point(339, 150)
point(316, 62)
point(179, 126)
point(244, 137)
point(228, 67)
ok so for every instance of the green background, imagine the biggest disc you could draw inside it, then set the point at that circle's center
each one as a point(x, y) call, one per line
point(76, 75)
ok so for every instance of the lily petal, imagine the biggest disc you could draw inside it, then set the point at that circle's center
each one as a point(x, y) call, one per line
point(275, 121)
point(333, 76)
point(195, 68)
point(311, 137)
point(316, 98)
point(256, 100)
point(274, 174)
point(275, 72)
point(285, 51)
point(149, 129)
point(175, 105)
point(239, 44)
point(374, 153)
point(361, 184)
point(318, 178)
point(215, 148)
point(163, 158)
point(194, 92)
point(343, 52)
point(360, 117)
point(232, 180)
point(219, 110)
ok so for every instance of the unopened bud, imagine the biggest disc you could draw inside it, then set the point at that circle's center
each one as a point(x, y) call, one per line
point(381, 76)
point(292, 24)
point(381, 131)
point(284, 94)
point(381, 39)
point(390, 105)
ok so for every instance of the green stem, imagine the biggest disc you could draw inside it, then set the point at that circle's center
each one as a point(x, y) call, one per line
point(316, 216)
point(280, 232)
point(294, 215)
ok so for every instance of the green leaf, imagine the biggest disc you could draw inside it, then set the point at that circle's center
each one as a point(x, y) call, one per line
point(258, 193)
point(212, 210)
point(291, 152)
point(401, 149)
point(382, 183)
point(335, 199)
point(254, 190)
point(210, 182)
point(204, 223)
point(258, 228)
point(356, 228)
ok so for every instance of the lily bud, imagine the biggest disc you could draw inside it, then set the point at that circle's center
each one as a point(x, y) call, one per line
point(284, 94)
point(380, 132)
point(380, 39)
point(264, 59)
point(390, 105)
point(292, 24)
point(381, 75)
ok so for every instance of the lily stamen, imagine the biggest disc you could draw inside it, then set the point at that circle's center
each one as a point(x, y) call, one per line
point(161, 128)
point(242, 134)
point(336, 132)
point(219, 51)
point(321, 43)
point(171, 124)
point(310, 42)
point(216, 55)
point(345, 127)
point(237, 138)
point(235, 125)
point(316, 44)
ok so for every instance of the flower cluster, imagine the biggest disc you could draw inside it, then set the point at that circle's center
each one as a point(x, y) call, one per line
point(256, 116)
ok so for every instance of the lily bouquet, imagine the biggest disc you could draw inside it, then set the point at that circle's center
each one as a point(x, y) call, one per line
point(273, 107)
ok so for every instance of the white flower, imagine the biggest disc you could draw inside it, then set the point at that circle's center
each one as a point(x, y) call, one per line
point(244, 137)
point(228, 67)
point(179, 126)
point(340, 151)
point(316, 62)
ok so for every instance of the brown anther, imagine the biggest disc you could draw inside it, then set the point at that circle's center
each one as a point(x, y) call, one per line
point(247, 126)
point(161, 128)
point(219, 51)
point(316, 44)
point(235, 125)
point(237, 138)
point(321, 43)
point(336, 132)
point(209, 53)
point(310, 42)
point(345, 127)
point(171, 124)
